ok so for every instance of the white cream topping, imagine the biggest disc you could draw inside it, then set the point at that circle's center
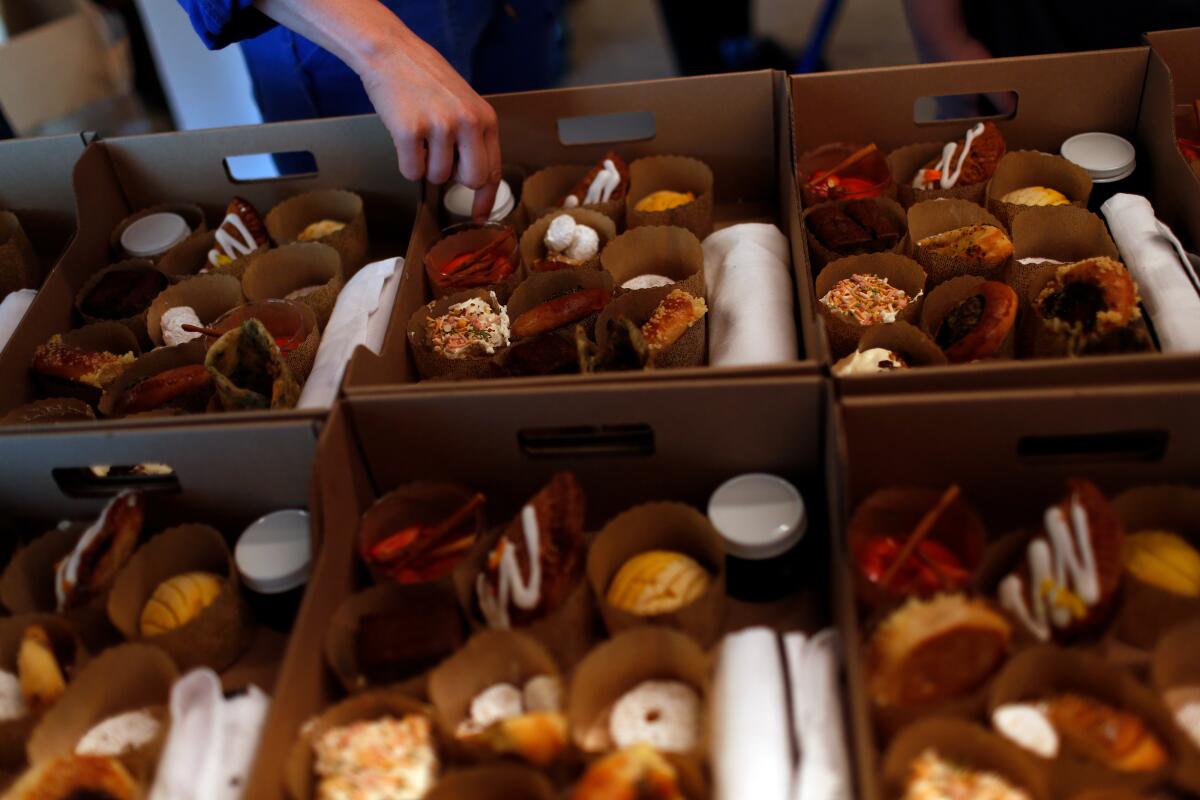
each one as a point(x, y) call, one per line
point(603, 185)
point(119, 734)
point(1027, 725)
point(572, 239)
point(1034, 260)
point(67, 574)
point(868, 362)
point(496, 704)
point(647, 282)
point(511, 585)
point(172, 322)
point(950, 177)
point(543, 693)
point(232, 247)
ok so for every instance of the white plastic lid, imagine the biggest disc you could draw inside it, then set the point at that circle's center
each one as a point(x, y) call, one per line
point(758, 515)
point(459, 200)
point(273, 554)
point(1101, 155)
point(154, 234)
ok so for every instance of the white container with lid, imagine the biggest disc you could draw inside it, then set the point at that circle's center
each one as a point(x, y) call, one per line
point(759, 516)
point(154, 234)
point(274, 553)
point(1106, 157)
point(459, 200)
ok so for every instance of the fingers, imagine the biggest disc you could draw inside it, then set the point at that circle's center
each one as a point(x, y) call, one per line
point(410, 152)
point(441, 154)
point(485, 198)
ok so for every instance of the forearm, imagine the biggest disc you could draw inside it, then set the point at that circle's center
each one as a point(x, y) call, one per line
point(359, 32)
point(940, 31)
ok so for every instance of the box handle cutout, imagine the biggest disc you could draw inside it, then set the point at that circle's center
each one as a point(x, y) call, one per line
point(1144, 446)
point(587, 441)
point(625, 126)
point(108, 481)
point(968, 107)
point(267, 167)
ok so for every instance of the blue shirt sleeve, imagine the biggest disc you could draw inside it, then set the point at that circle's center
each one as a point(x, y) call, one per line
point(223, 22)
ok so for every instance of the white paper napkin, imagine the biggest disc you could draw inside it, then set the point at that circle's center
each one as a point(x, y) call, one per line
point(751, 749)
point(824, 771)
point(361, 316)
point(12, 311)
point(1165, 277)
point(747, 271)
point(212, 741)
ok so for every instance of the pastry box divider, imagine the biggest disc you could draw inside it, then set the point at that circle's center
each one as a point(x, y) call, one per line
point(1011, 453)
point(372, 444)
point(1111, 90)
point(1173, 77)
point(219, 453)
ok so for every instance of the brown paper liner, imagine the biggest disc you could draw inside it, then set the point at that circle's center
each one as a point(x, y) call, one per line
point(908, 341)
point(827, 156)
point(158, 360)
point(1041, 672)
point(927, 219)
point(298, 778)
point(137, 322)
point(676, 174)
point(904, 163)
point(1021, 168)
point(19, 267)
point(1176, 664)
point(1035, 340)
point(1109, 794)
point(191, 213)
point(900, 271)
point(98, 337)
point(541, 287)
point(661, 526)
point(533, 246)
point(52, 410)
point(277, 273)
point(963, 743)
point(672, 252)
point(494, 782)
point(190, 257)
point(822, 255)
point(546, 189)
point(209, 296)
point(286, 221)
point(689, 350)
point(1063, 233)
point(216, 636)
point(433, 365)
point(469, 240)
point(942, 300)
point(129, 677)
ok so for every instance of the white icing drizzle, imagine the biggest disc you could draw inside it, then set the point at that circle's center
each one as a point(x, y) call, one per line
point(511, 585)
point(232, 247)
point(950, 178)
point(1063, 561)
point(603, 185)
point(67, 574)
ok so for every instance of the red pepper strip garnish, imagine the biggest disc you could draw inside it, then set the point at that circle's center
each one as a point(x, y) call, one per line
point(924, 526)
point(484, 253)
point(848, 161)
point(428, 539)
point(932, 567)
point(392, 546)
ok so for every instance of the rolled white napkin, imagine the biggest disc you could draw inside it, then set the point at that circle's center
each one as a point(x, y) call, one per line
point(751, 750)
point(12, 311)
point(824, 771)
point(361, 316)
point(747, 270)
point(1166, 279)
point(212, 742)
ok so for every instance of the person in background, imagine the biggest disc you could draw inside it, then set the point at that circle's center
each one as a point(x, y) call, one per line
point(415, 62)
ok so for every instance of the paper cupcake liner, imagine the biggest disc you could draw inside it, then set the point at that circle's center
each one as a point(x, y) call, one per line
point(98, 337)
point(51, 411)
point(900, 271)
point(822, 255)
point(434, 365)
point(19, 267)
point(942, 300)
point(190, 257)
point(277, 273)
point(1176, 664)
point(545, 190)
point(216, 636)
point(677, 174)
point(156, 361)
point(927, 219)
point(908, 341)
point(1062, 233)
point(463, 241)
point(904, 163)
point(191, 213)
point(661, 526)
point(543, 286)
point(286, 221)
point(208, 295)
point(1022, 168)
point(137, 322)
point(670, 251)
point(689, 350)
point(1035, 340)
point(533, 247)
point(495, 782)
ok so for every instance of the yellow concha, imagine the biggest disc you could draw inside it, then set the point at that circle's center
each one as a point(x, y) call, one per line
point(1164, 560)
point(657, 582)
point(1036, 196)
point(178, 601)
point(664, 200)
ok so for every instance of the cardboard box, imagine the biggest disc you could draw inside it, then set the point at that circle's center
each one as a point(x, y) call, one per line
point(373, 444)
point(1106, 94)
point(1172, 78)
point(216, 453)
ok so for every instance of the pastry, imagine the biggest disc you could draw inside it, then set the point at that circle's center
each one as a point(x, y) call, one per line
point(1094, 305)
point(483, 266)
point(858, 226)
point(929, 651)
point(120, 734)
point(981, 246)
point(97, 369)
point(1110, 736)
point(523, 722)
point(663, 200)
point(172, 321)
point(42, 680)
point(320, 229)
point(569, 244)
point(185, 387)
point(395, 645)
point(419, 553)
point(1073, 569)
point(932, 777)
point(50, 411)
point(1036, 196)
point(638, 773)
point(12, 699)
point(471, 328)
point(662, 714)
point(539, 559)
point(177, 601)
point(249, 372)
point(866, 300)
point(967, 163)
point(1028, 725)
point(123, 293)
point(1184, 702)
point(240, 233)
point(624, 348)
point(1164, 560)
point(76, 778)
point(646, 282)
point(979, 324)
point(671, 319)
point(90, 569)
point(607, 181)
point(869, 362)
point(657, 582)
point(559, 311)
point(386, 758)
point(541, 355)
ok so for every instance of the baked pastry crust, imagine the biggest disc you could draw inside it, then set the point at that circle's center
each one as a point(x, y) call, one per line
point(1102, 733)
point(93, 777)
point(637, 772)
point(979, 245)
point(977, 327)
point(1094, 303)
point(675, 314)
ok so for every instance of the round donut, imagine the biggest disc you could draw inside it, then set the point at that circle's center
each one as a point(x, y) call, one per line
point(662, 714)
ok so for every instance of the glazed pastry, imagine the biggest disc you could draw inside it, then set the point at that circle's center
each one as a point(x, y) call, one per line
point(932, 777)
point(42, 680)
point(177, 601)
point(1073, 569)
point(97, 369)
point(90, 569)
point(527, 723)
point(388, 757)
point(978, 325)
point(929, 651)
point(12, 699)
point(123, 293)
point(981, 246)
point(182, 387)
point(420, 553)
point(249, 372)
point(966, 163)
point(1110, 736)
point(869, 362)
point(320, 229)
point(1164, 560)
point(484, 266)
point(471, 328)
point(866, 300)
point(120, 734)
point(1094, 304)
point(559, 311)
point(393, 646)
point(638, 773)
point(646, 282)
point(1184, 702)
point(1036, 196)
point(675, 314)
point(76, 778)
point(172, 322)
point(663, 200)
point(239, 234)
point(608, 180)
point(657, 582)
point(858, 226)
point(1027, 725)
point(569, 244)
point(662, 714)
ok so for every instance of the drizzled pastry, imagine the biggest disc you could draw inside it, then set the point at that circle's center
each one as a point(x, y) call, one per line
point(1094, 305)
point(657, 582)
point(638, 772)
point(966, 163)
point(1164, 560)
point(42, 679)
point(90, 569)
point(869, 362)
point(1036, 196)
point(569, 244)
point(977, 326)
point(981, 246)
point(526, 722)
point(54, 359)
point(473, 327)
point(387, 757)
point(932, 777)
point(1110, 736)
point(240, 233)
point(671, 319)
point(663, 200)
point(866, 300)
point(608, 180)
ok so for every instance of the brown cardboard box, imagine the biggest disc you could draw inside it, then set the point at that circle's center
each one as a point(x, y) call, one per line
point(216, 454)
point(1173, 78)
point(1107, 89)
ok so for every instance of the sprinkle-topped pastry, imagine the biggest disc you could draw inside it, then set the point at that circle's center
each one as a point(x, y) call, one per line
point(866, 299)
point(932, 777)
point(388, 758)
point(470, 328)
